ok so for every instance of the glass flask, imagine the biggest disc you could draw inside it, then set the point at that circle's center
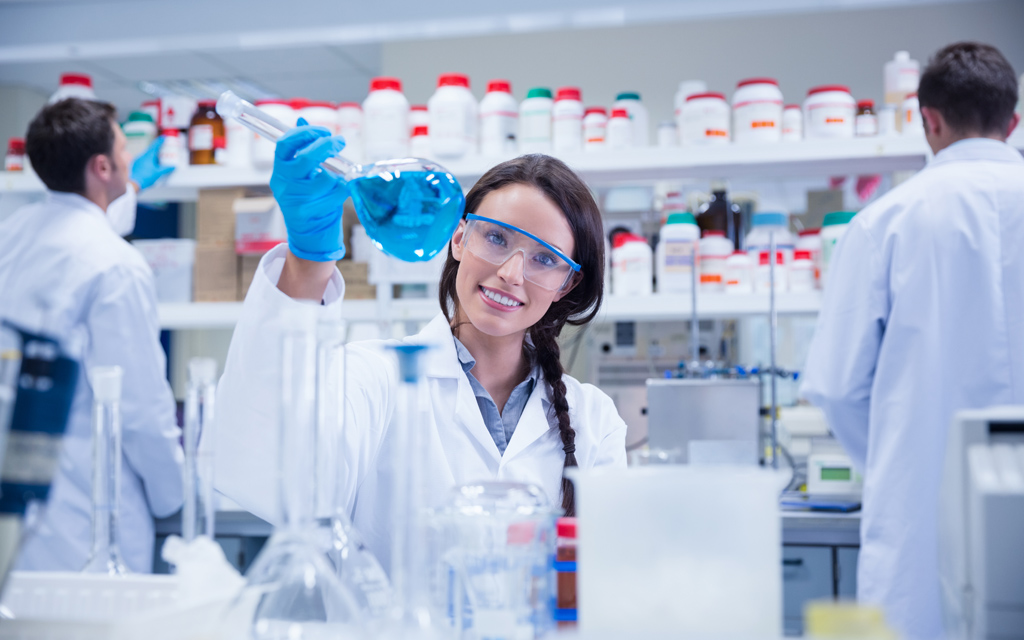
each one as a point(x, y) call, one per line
point(197, 514)
point(408, 206)
point(106, 471)
point(291, 589)
point(354, 563)
point(495, 544)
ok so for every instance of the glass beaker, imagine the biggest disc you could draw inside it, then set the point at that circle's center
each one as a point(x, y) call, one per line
point(197, 514)
point(409, 207)
point(106, 471)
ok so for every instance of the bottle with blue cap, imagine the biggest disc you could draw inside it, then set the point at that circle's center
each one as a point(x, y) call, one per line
point(757, 244)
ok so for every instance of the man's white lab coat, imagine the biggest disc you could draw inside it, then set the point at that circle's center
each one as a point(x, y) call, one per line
point(65, 272)
point(923, 316)
point(460, 450)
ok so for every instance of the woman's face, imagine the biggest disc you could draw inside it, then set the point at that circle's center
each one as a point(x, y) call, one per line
point(478, 281)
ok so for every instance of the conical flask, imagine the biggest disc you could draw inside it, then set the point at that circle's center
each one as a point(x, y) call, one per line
point(197, 514)
point(291, 590)
point(105, 556)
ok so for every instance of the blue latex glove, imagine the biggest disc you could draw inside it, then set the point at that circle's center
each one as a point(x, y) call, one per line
point(311, 199)
point(146, 169)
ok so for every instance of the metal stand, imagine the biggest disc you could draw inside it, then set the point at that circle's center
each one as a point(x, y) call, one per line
point(773, 320)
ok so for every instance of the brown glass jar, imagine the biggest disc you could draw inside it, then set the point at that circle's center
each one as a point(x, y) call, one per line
point(866, 122)
point(206, 141)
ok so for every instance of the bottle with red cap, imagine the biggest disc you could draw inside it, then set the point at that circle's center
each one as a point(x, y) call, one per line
point(565, 573)
point(453, 113)
point(15, 158)
point(499, 120)
point(567, 120)
point(385, 120)
point(632, 265)
point(172, 152)
point(73, 85)
point(262, 148)
point(350, 127)
point(595, 128)
point(866, 123)
point(757, 111)
point(830, 111)
point(419, 116)
point(419, 143)
point(620, 131)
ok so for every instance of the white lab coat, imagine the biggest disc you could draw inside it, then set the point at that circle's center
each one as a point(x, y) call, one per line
point(923, 316)
point(459, 447)
point(65, 272)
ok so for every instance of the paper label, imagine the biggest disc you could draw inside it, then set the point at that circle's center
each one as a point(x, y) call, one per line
point(200, 137)
point(679, 256)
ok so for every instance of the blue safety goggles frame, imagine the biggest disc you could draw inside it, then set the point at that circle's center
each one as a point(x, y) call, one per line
point(572, 263)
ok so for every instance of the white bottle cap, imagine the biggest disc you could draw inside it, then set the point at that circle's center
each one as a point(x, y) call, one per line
point(106, 383)
point(902, 56)
point(202, 371)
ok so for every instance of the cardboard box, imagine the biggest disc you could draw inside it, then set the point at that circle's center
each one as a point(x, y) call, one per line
point(215, 216)
point(247, 271)
point(172, 261)
point(259, 225)
point(360, 291)
point(215, 278)
point(354, 272)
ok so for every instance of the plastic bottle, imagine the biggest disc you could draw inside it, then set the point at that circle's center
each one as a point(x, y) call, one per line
point(630, 101)
point(902, 75)
point(763, 226)
point(350, 127)
point(866, 124)
point(595, 128)
point(320, 114)
point(686, 89)
point(632, 265)
point(757, 111)
point(620, 131)
point(206, 139)
point(810, 240)
point(831, 111)
point(718, 214)
point(832, 230)
point(535, 121)
point(73, 85)
point(677, 253)
point(715, 250)
point(453, 117)
point(419, 143)
point(705, 119)
point(739, 273)
point(567, 120)
point(419, 116)
point(499, 119)
point(15, 158)
point(792, 123)
point(385, 121)
point(763, 276)
point(668, 137)
point(263, 149)
point(172, 152)
point(913, 125)
point(139, 132)
point(801, 272)
point(565, 569)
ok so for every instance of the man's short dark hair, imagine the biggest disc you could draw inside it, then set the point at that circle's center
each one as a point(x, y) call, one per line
point(64, 136)
point(973, 86)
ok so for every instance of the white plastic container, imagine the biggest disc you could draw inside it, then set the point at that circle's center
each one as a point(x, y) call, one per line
point(830, 112)
point(385, 121)
point(913, 125)
point(715, 250)
point(595, 128)
point(535, 121)
point(567, 120)
point(620, 131)
point(320, 114)
point(350, 127)
point(668, 137)
point(763, 275)
point(73, 85)
point(676, 253)
point(630, 101)
point(739, 273)
point(810, 240)
point(453, 117)
point(419, 116)
point(632, 265)
point(866, 124)
point(757, 111)
point(705, 119)
point(263, 149)
point(172, 152)
point(763, 225)
point(686, 89)
point(887, 117)
point(801, 272)
point(171, 260)
point(832, 230)
point(902, 75)
point(419, 143)
point(499, 120)
point(792, 123)
point(238, 141)
point(139, 132)
point(176, 112)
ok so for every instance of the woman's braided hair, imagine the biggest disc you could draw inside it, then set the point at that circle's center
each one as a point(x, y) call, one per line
point(579, 306)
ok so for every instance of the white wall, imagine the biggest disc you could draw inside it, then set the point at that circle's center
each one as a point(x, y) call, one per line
point(800, 50)
point(19, 105)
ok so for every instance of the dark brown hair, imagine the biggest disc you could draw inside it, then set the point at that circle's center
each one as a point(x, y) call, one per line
point(973, 86)
point(579, 306)
point(64, 136)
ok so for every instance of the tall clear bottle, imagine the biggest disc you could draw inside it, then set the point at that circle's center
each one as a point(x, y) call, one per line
point(197, 514)
point(106, 472)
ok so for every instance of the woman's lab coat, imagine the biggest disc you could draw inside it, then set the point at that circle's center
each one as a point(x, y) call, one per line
point(65, 272)
point(923, 316)
point(458, 446)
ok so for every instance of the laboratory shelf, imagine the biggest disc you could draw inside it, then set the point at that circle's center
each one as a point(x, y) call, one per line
point(224, 315)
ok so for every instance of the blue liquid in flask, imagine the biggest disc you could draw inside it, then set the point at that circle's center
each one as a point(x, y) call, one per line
point(410, 215)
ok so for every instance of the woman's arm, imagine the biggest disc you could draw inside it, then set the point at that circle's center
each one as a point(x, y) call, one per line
point(304, 279)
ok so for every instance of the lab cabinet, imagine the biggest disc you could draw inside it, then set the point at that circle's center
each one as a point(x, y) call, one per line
point(846, 572)
point(806, 575)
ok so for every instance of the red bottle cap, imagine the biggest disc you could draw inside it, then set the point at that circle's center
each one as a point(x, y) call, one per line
point(620, 113)
point(566, 527)
point(503, 86)
point(829, 87)
point(453, 80)
point(385, 82)
point(868, 104)
point(714, 233)
point(802, 254)
point(81, 79)
point(419, 131)
point(16, 146)
point(706, 94)
point(568, 93)
point(600, 110)
point(743, 83)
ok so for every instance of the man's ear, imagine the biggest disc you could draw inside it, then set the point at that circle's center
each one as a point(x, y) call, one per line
point(101, 166)
point(934, 123)
point(457, 239)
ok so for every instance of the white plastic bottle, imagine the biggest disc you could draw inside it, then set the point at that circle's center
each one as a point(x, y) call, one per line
point(763, 277)
point(350, 127)
point(801, 272)
point(902, 75)
point(830, 112)
point(419, 143)
point(792, 123)
point(320, 114)
point(686, 89)
point(73, 85)
point(385, 120)
point(139, 132)
point(739, 273)
point(172, 152)
point(810, 240)
point(763, 225)
point(453, 117)
point(499, 119)
point(757, 111)
point(263, 149)
point(715, 250)
point(632, 265)
point(668, 137)
point(419, 116)
point(620, 131)
point(535, 121)
point(677, 253)
point(705, 119)
point(832, 230)
point(630, 101)
point(595, 128)
point(913, 125)
point(567, 120)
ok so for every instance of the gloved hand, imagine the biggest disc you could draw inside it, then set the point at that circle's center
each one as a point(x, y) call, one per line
point(146, 169)
point(311, 199)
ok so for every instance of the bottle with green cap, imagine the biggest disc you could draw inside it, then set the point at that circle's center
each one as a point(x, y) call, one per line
point(139, 132)
point(630, 101)
point(832, 229)
point(535, 121)
point(676, 254)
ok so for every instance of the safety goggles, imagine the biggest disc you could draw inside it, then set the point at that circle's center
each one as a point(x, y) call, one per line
point(496, 242)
